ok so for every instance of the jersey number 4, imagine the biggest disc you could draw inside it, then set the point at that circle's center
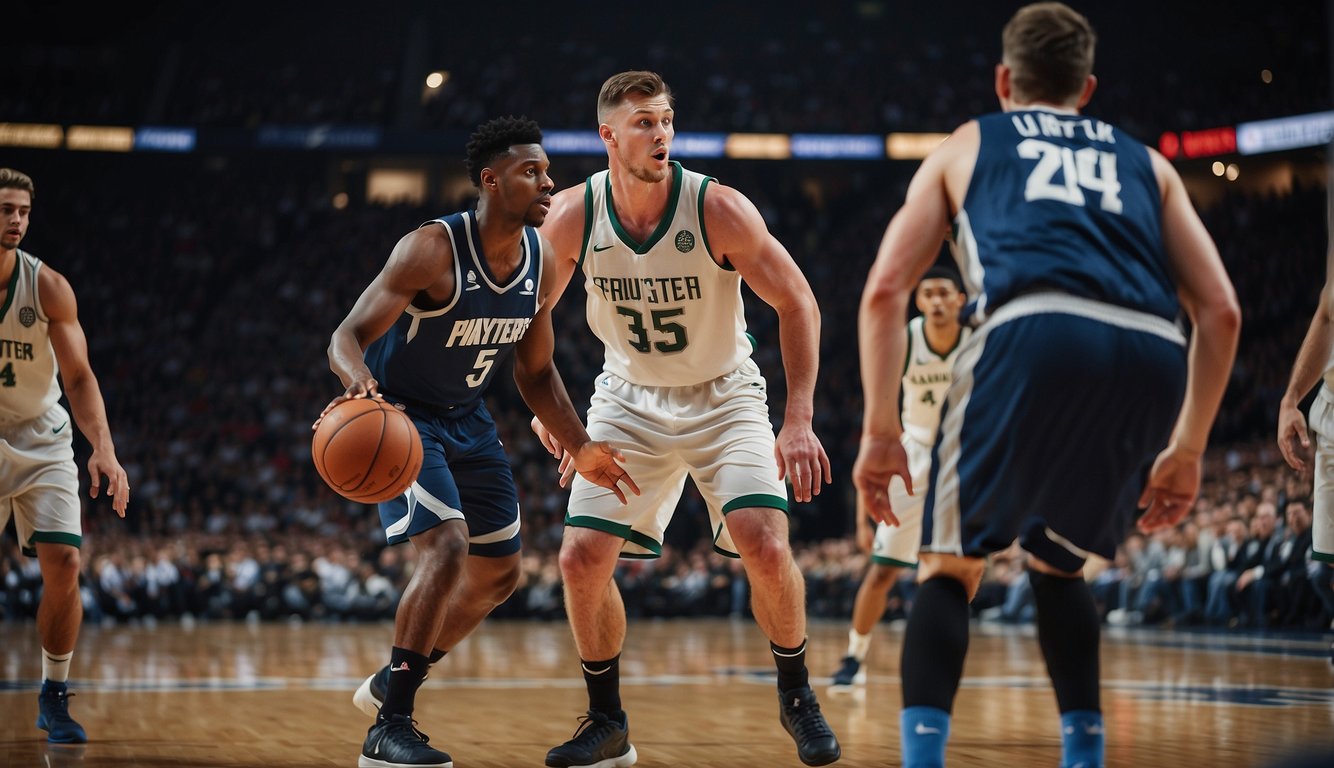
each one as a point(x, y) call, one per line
point(7, 375)
point(1082, 169)
point(639, 339)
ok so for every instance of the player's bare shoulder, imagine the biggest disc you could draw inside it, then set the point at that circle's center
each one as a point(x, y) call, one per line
point(55, 293)
point(423, 259)
point(564, 226)
point(732, 221)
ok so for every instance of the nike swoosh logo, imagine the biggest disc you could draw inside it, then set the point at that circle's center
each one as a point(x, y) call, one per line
point(599, 248)
point(56, 431)
point(923, 730)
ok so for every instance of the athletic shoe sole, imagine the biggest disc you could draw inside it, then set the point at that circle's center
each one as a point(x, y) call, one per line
point(366, 702)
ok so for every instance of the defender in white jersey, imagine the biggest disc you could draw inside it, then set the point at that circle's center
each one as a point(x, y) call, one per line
point(40, 335)
point(1315, 364)
point(663, 251)
point(933, 343)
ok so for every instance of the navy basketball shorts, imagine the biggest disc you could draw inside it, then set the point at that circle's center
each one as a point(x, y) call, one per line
point(1058, 407)
point(465, 476)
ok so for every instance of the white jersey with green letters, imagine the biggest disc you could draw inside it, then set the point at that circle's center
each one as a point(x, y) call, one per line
point(666, 312)
point(926, 377)
point(28, 386)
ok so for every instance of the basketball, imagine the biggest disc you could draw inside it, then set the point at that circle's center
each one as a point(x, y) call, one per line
point(367, 450)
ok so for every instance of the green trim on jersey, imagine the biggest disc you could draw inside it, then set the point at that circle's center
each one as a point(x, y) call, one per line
point(1322, 557)
point(51, 537)
point(668, 215)
point(907, 356)
point(13, 283)
point(720, 550)
point(617, 529)
point(588, 220)
point(879, 560)
point(756, 500)
point(703, 231)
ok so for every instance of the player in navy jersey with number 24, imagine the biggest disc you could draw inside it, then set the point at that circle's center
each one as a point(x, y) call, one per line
point(1079, 248)
point(456, 298)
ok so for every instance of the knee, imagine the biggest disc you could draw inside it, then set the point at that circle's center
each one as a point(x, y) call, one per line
point(766, 552)
point(503, 583)
point(60, 564)
point(447, 548)
point(882, 577)
point(581, 562)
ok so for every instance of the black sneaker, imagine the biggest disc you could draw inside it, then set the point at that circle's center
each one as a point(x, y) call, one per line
point(799, 713)
point(849, 674)
point(599, 742)
point(53, 715)
point(370, 695)
point(395, 742)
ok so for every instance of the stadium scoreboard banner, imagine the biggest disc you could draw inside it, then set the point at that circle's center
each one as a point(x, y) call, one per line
point(1276, 135)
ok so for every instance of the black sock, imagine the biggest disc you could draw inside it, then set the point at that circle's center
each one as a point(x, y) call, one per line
point(791, 664)
point(437, 655)
point(1068, 632)
point(407, 669)
point(935, 644)
point(603, 679)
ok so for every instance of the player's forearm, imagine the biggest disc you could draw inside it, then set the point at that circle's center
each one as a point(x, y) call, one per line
point(1213, 347)
point(545, 394)
point(346, 357)
point(882, 347)
point(1311, 357)
point(799, 340)
point(89, 411)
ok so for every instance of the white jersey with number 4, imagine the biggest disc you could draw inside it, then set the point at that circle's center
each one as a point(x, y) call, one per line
point(28, 386)
point(666, 312)
point(926, 377)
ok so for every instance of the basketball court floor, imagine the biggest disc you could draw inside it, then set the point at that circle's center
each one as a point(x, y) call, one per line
point(699, 693)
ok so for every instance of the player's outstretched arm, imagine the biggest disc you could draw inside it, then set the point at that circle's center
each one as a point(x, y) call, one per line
point(1293, 440)
point(1207, 295)
point(738, 234)
point(417, 262)
point(85, 396)
point(911, 242)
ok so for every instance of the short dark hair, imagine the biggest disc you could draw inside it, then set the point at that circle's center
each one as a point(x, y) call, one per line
point(1049, 50)
point(494, 138)
point(12, 179)
point(639, 82)
point(941, 271)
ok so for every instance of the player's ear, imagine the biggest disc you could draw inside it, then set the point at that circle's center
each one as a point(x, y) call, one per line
point(606, 134)
point(487, 178)
point(1004, 88)
point(1090, 85)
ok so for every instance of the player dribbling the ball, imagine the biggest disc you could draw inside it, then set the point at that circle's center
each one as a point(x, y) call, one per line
point(456, 297)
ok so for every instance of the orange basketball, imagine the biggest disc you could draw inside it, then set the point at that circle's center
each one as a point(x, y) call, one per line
point(367, 450)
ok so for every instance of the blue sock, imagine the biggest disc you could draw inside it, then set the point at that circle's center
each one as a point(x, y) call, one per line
point(1081, 739)
point(923, 732)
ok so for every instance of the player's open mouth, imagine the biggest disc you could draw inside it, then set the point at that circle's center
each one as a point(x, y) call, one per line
point(660, 155)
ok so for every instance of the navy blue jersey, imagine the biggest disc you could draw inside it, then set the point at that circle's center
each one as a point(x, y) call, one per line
point(1067, 203)
point(444, 357)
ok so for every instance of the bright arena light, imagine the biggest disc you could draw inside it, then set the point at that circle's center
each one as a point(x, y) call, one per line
point(1233, 172)
point(1218, 168)
point(436, 79)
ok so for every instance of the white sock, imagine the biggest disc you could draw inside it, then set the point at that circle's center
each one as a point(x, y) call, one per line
point(55, 666)
point(858, 644)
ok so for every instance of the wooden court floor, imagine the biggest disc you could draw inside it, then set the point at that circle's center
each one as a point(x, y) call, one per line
point(699, 693)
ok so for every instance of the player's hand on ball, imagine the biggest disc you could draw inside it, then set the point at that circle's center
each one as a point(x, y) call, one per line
point(360, 387)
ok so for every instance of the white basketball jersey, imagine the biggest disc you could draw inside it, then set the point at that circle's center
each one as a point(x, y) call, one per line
point(28, 386)
point(667, 313)
point(926, 377)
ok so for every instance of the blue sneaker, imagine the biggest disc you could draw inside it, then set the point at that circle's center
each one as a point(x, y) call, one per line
point(53, 715)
